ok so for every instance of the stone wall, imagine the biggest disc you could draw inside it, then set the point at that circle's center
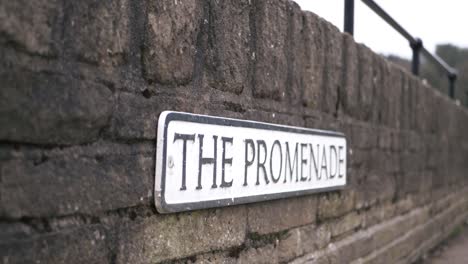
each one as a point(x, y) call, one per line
point(83, 83)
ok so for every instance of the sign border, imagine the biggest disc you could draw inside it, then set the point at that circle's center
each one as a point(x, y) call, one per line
point(161, 149)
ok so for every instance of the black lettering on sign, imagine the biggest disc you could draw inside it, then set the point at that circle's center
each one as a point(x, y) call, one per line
point(184, 138)
point(303, 161)
point(261, 164)
point(315, 161)
point(333, 157)
point(324, 164)
point(224, 162)
point(292, 165)
point(248, 142)
point(276, 143)
point(340, 160)
point(203, 161)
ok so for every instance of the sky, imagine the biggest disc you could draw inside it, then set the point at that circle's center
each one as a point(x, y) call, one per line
point(434, 21)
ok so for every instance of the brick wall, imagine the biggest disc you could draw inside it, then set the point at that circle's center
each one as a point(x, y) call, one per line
point(83, 83)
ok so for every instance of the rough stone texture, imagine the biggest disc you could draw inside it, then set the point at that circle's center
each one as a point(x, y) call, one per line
point(335, 204)
point(281, 214)
point(171, 36)
point(345, 224)
point(59, 182)
point(269, 55)
point(83, 84)
point(42, 108)
point(228, 42)
point(349, 93)
point(79, 245)
point(313, 60)
point(29, 25)
point(166, 237)
point(332, 68)
point(98, 31)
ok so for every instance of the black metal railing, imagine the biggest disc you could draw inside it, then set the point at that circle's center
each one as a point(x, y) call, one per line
point(416, 44)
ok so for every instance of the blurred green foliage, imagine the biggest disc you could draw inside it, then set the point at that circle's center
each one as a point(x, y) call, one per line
point(454, 56)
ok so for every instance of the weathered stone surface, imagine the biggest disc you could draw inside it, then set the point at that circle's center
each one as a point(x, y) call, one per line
point(395, 77)
point(378, 214)
point(312, 237)
point(314, 42)
point(43, 108)
point(404, 103)
point(263, 255)
point(228, 41)
point(164, 237)
point(350, 248)
point(90, 179)
point(349, 91)
point(379, 93)
point(345, 224)
point(97, 31)
point(296, 54)
point(29, 25)
point(80, 245)
point(333, 67)
point(135, 117)
point(270, 63)
point(170, 47)
point(375, 188)
point(281, 214)
point(366, 88)
point(223, 257)
point(297, 242)
point(335, 204)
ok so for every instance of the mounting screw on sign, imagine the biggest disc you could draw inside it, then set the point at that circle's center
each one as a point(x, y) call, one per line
point(170, 162)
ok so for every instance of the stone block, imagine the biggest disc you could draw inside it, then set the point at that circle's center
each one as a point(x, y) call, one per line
point(314, 59)
point(361, 136)
point(279, 215)
point(335, 204)
point(296, 51)
point(83, 179)
point(135, 117)
point(375, 188)
point(29, 25)
point(379, 96)
point(171, 35)
point(378, 214)
point(79, 245)
point(405, 110)
point(313, 238)
point(97, 31)
point(350, 248)
point(228, 41)
point(366, 87)
point(294, 243)
point(269, 55)
point(333, 68)
point(44, 108)
point(394, 83)
point(175, 236)
point(349, 92)
point(345, 224)
point(290, 247)
point(262, 255)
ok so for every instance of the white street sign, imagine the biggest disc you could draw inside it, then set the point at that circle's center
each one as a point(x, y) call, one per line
point(205, 161)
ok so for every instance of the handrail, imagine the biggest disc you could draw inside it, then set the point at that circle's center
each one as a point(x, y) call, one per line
point(416, 44)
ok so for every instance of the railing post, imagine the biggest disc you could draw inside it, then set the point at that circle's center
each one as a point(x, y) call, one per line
point(349, 16)
point(452, 78)
point(416, 47)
